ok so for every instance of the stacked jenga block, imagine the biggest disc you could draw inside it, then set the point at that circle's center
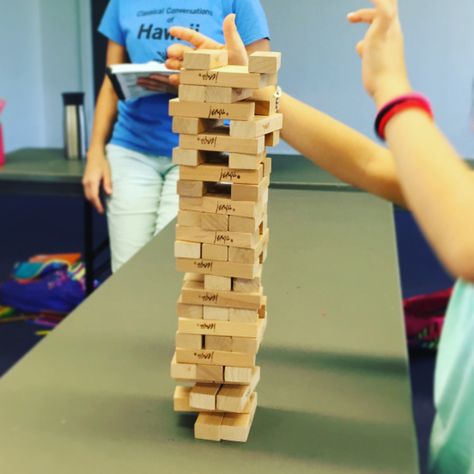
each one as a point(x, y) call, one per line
point(225, 119)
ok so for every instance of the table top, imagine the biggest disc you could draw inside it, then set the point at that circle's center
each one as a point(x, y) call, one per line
point(95, 395)
point(35, 165)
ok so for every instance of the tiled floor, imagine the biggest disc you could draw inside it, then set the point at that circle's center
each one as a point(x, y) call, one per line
point(50, 225)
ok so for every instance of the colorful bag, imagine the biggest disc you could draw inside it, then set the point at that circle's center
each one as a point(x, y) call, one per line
point(45, 284)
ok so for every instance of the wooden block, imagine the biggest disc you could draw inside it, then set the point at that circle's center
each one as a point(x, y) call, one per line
point(215, 313)
point(272, 139)
point(222, 328)
point(222, 205)
point(233, 398)
point(228, 76)
point(217, 237)
point(242, 375)
point(219, 140)
point(219, 343)
point(182, 371)
point(203, 396)
point(208, 426)
point(243, 315)
point(187, 93)
point(190, 188)
point(181, 401)
point(265, 106)
point(267, 167)
point(188, 157)
point(198, 295)
point(236, 427)
point(212, 282)
point(243, 344)
point(210, 373)
point(189, 341)
point(250, 192)
point(265, 62)
point(197, 373)
point(187, 249)
point(189, 218)
point(243, 224)
point(239, 111)
point(242, 255)
point(219, 173)
point(239, 359)
point(243, 285)
point(189, 311)
point(242, 161)
point(205, 59)
point(218, 222)
point(226, 95)
point(258, 127)
point(219, 253)
point(193, 125)
point(209, 267)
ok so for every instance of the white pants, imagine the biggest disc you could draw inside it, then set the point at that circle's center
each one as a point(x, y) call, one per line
point(143, 200)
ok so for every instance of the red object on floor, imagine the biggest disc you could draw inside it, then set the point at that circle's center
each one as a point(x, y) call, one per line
point(424, 318)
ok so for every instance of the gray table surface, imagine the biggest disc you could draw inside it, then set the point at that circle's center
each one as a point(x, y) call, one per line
point(95, 395)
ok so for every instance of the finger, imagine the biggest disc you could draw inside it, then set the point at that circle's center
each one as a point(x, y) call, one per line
point(233, 41)
point(92, 195)
point(160, 78)
point(107, 182)
point(177, 50)
point(151, 84)
point(387, 10)
point(360, 48)
point(191, 36)
point(174, 80)
point(366, 15)
point(174, 64)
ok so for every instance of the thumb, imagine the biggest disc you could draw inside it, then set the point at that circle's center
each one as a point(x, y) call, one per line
point(233, 42)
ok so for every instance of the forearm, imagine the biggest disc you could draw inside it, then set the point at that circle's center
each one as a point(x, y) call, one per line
point(438, 186)
point(104, 116)
point(342, 151)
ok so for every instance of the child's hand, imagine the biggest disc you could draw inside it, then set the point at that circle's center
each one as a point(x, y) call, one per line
point(383, 63)
point(233, 43)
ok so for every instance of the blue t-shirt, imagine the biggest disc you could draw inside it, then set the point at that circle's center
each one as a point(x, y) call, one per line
point(141, 26)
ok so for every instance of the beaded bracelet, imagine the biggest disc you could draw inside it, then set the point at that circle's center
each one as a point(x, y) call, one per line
point(397, 105)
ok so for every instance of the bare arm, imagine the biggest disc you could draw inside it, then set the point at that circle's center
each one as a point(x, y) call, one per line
point(260, 45)
point(439, 188)
point(339, 149)
point(437, 185)
point(97, 169)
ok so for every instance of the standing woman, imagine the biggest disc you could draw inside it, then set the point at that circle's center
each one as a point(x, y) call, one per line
point(132, 141)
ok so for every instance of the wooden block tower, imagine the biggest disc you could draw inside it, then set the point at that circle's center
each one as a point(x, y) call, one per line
point(225, 121)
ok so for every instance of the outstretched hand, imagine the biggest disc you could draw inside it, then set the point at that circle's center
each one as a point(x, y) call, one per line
point(233, 43)
point(383, 62)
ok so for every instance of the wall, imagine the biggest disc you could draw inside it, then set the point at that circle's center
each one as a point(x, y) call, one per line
point(21, 73)
point(321, 67)
point(44, 51)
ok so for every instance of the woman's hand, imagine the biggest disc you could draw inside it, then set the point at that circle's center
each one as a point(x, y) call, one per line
point(233, 43)
point(158, 83)
point(97, 171)
point(383, 61)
